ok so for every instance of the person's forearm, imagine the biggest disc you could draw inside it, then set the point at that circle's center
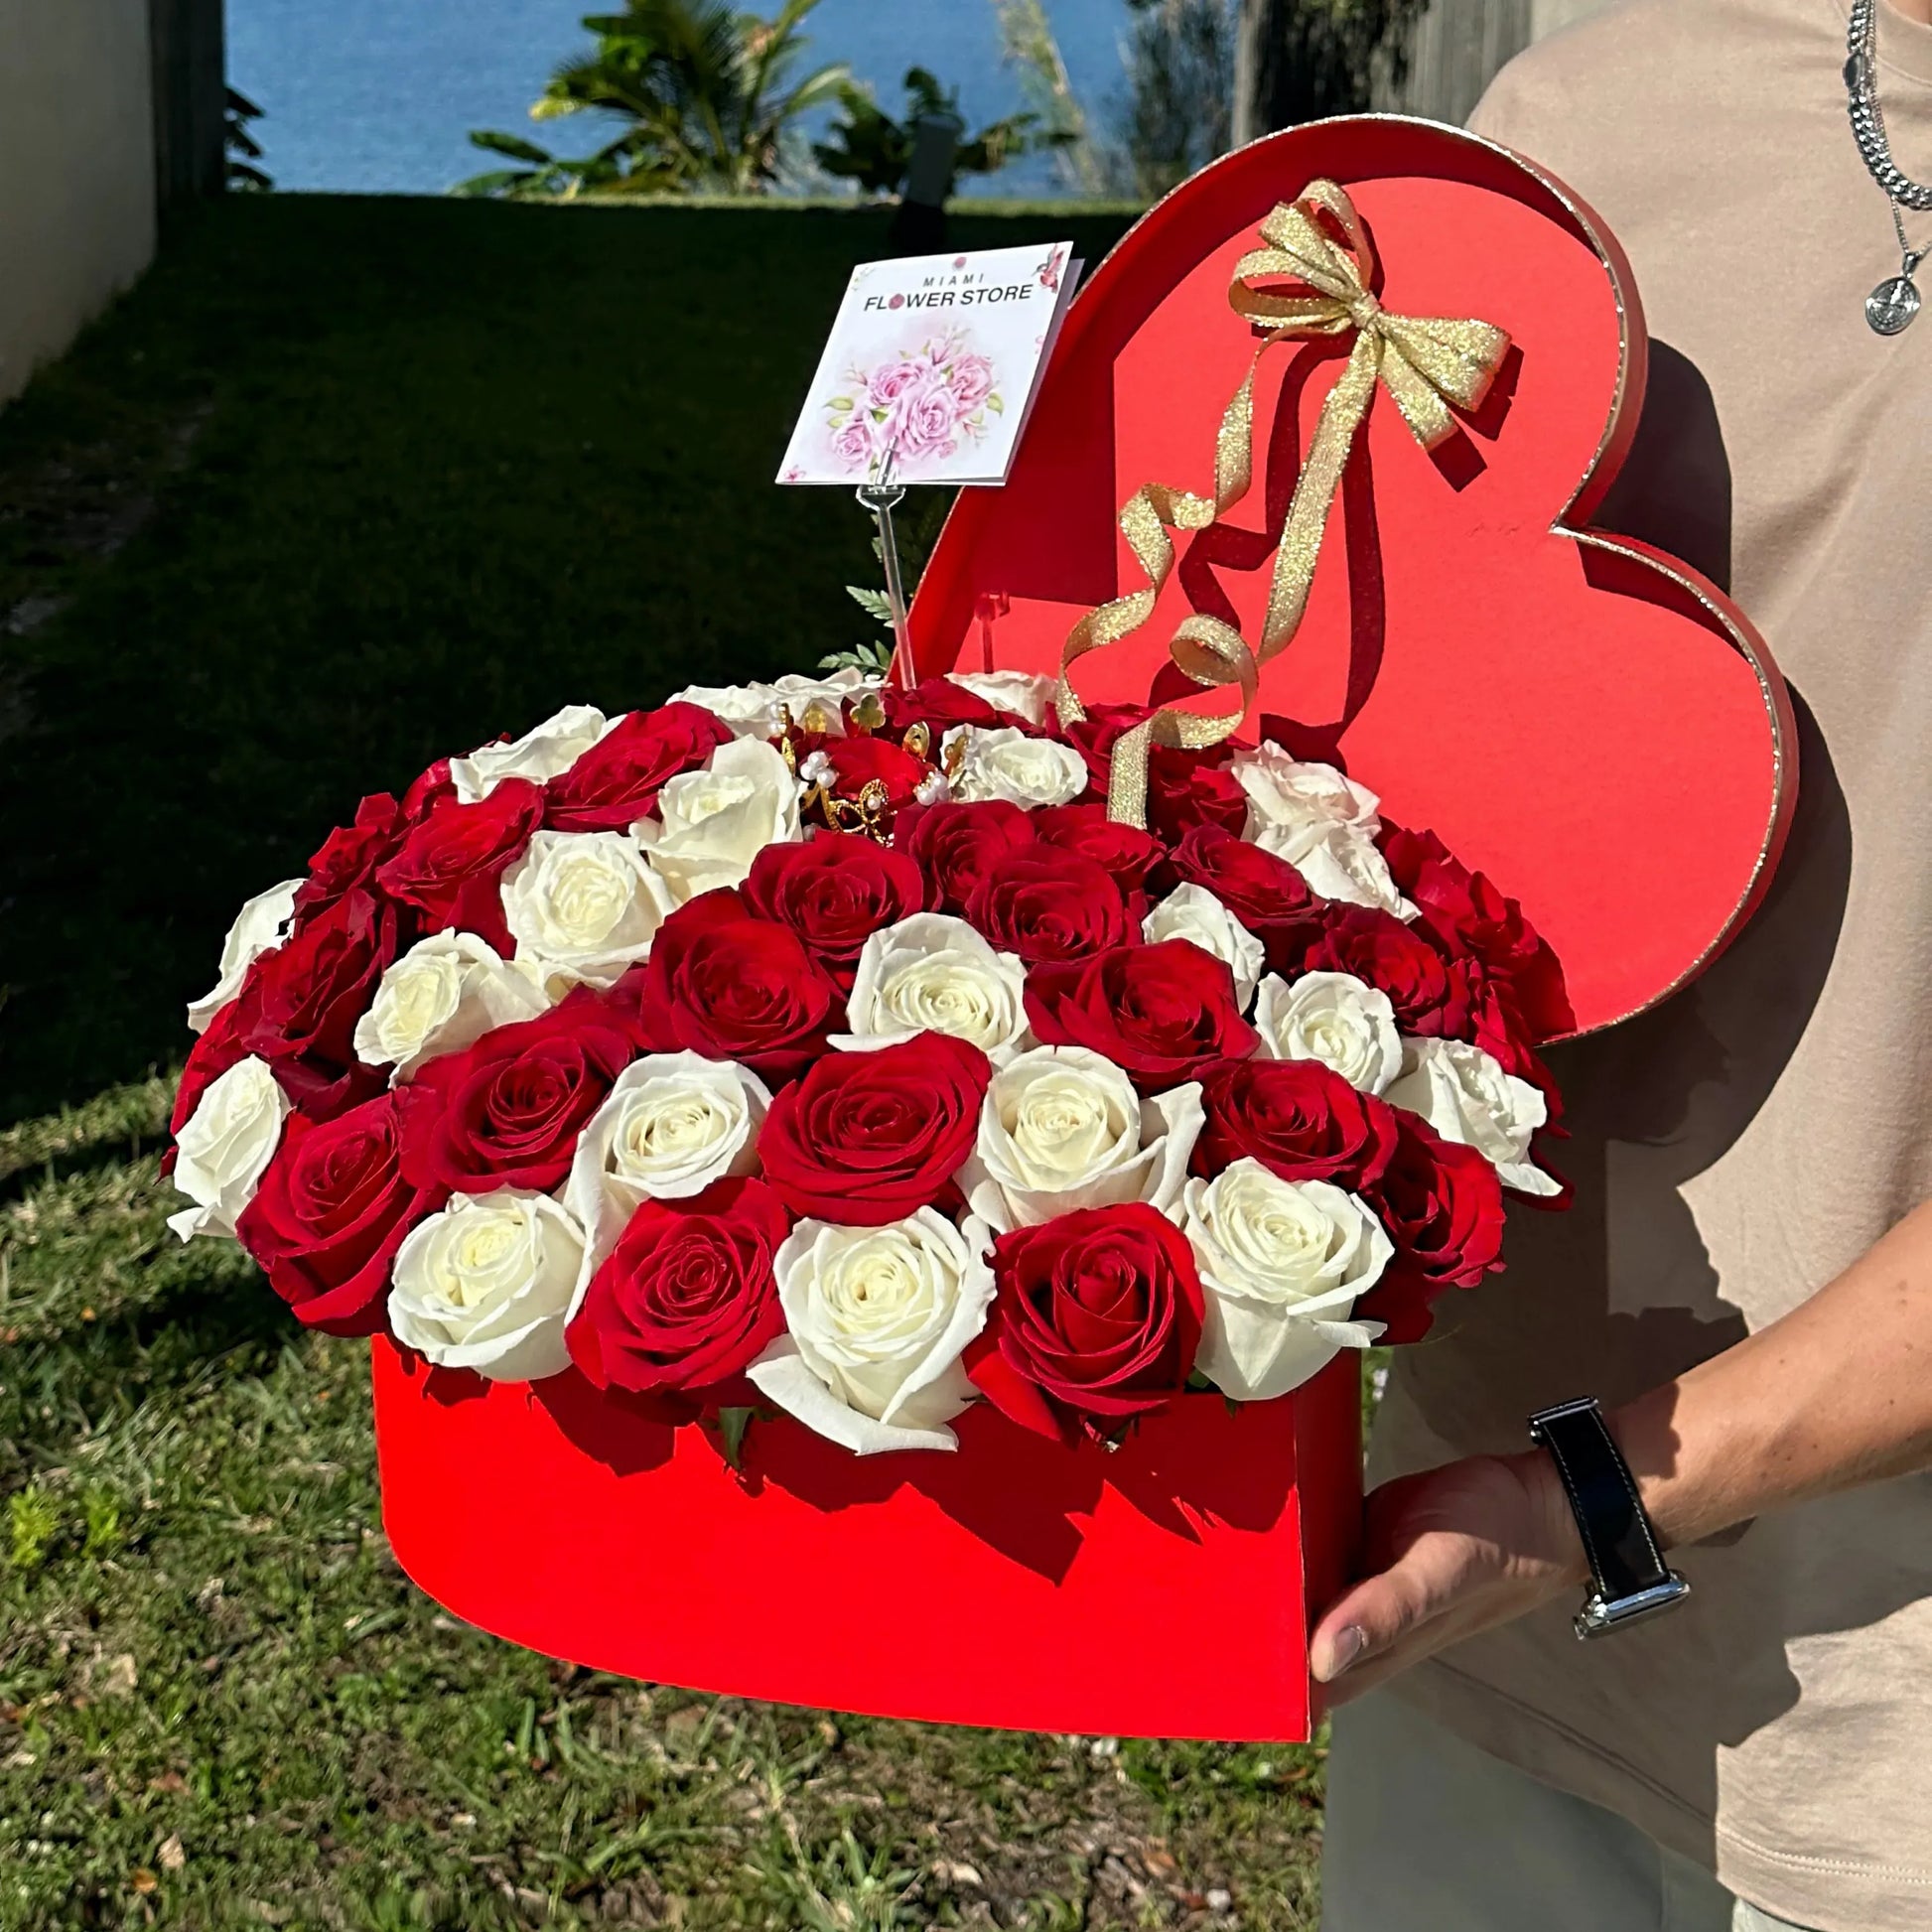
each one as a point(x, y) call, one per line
point(1837, 1393)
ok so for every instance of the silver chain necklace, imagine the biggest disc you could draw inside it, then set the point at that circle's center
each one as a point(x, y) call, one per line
point(1890, 306)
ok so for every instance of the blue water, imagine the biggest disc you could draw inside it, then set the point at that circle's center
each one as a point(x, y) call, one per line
point(380, 96)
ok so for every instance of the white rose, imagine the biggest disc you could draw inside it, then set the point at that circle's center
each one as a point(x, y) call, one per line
point(444, 994)
point(224, 1146)
point(583, 906)
point(1193, 913)
point(1282, 1261)
point(750, 710)
point(935, 974)
point(878, 1319)
point(261, 924)
point(758, 710)
point(547, 751)
point(1465, 1096)
point(1008, 764)
point(711, 824)
point(673, 1123)
point(1284, 792)
point(1339, 863)
point(1062, 1128)
point(1335, 1018)
point(1023, 693)
point(485, 1285)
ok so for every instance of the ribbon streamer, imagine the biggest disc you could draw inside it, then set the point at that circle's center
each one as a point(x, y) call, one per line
point(1426, 362)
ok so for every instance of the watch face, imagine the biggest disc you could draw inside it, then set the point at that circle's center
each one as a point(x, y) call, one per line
point(1599, 1619)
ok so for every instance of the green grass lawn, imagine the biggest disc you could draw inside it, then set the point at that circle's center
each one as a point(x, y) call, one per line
point(347, 484)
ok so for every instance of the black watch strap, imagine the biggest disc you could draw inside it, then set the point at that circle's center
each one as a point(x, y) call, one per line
point(1628, 1574)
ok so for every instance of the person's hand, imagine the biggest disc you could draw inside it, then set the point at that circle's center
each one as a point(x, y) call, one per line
point(1447, 1553)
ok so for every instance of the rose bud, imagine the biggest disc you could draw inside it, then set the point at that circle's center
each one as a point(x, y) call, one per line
point(1467, 913)
point(617, 781)
point(1124, 851)
point(507, 1111)
point(732, 988)
point(1096, 1320)
point(1443, 1207)
point(352, 853)
point(331, 1210)
point(957, 846)
point(450, 866)
point(687, 1298)
point(1299, 1119)
point(1265, 894)
point(1163, 1014)
point(835, 892)
point(1432, 996)
point(298, 1002)
point(867, 1138)
point(1044, 904)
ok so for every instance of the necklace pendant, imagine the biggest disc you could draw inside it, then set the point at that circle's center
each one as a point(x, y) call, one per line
point(1892, 306)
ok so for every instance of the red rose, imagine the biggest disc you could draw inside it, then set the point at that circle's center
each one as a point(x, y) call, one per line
point(208, 1058)
point(1162, 1014)
point(1044, 904)
point(861, 762)
point(1505, 1036)
point(450, 866)
point(957, 846)
point(332, 1212)
point(1184, 788)
point(1467, 913)
point(1096, 1320)
point(300, 1002)
point(1434, 997)
point(1124, 851)
point(1265, 894)
point(350, 854)
point(1299, 1119)
point(835, 890)
point(615, 783)
point(731, 987)
point(687, 1296)
point(428, 791)
point(1443, 1207)
point(940, 704)
point(870, 1138)
point(508, 1109)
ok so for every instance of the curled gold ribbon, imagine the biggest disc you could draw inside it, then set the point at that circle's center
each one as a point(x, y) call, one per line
point(1426, 362)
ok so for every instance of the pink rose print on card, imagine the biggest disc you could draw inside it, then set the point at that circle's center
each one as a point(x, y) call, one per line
point(921, 406)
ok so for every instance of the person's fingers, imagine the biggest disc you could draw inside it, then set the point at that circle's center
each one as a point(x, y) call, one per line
point(1379, 1612)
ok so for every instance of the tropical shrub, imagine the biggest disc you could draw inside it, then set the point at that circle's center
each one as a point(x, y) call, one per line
point(704, 99)
point(871, 149)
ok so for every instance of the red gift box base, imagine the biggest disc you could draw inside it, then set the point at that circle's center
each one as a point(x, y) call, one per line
point(1165, 1588)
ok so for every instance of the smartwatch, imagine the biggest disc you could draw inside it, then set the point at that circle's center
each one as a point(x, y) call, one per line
point(1630, 1578)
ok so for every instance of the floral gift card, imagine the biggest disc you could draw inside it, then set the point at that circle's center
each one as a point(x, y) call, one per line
point(931, 367)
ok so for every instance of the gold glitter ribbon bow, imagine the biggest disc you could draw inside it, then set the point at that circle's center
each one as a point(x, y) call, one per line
point(1426, 362)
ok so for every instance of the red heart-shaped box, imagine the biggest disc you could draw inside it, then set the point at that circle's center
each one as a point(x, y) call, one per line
point(1588, 722)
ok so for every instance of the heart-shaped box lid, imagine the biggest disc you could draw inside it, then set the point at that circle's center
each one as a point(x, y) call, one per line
point(1584, 719)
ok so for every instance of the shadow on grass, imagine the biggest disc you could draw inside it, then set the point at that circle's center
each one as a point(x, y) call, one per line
point(399, 474)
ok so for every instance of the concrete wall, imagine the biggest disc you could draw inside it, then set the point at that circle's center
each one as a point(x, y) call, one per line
point(76, 170)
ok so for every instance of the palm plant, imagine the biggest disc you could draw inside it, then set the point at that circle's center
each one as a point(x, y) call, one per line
point(706, 98)
point(871, 149)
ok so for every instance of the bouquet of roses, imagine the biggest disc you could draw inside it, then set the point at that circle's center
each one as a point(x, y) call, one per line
point(825, 1048)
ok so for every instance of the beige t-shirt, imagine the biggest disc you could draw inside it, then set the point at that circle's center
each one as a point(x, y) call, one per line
point(1737, 1147)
